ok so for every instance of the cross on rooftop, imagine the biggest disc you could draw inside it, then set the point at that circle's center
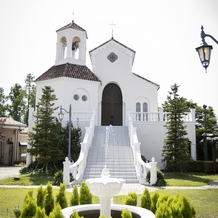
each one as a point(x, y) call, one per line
point(112, 24)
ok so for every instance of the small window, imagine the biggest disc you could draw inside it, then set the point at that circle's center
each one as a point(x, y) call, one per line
point(84, 98)
point(76, 97)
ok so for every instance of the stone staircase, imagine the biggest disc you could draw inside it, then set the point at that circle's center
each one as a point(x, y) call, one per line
point(111, 148)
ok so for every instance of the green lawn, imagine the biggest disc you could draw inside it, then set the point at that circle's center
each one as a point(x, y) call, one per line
point(205, 202)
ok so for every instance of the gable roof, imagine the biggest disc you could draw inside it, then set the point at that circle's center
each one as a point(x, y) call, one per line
point(113, 40)
point(73, 26)
point(158, 86)
point(69, 70)
point(11, 122)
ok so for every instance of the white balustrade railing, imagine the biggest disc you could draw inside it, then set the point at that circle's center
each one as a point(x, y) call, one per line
point(141, 167)
point(77, 169)
point(160, 116)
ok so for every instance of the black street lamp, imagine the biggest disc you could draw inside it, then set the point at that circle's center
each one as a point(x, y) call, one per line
point(204, 51)
point(61, 116)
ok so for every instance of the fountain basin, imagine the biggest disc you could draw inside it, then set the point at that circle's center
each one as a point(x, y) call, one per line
point(93, 211)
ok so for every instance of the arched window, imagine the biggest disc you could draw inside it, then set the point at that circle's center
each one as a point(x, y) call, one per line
point(138, 110)
point(145, 109)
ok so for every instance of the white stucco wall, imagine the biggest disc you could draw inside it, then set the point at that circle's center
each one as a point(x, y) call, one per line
point(151, 135)
point(120, 73)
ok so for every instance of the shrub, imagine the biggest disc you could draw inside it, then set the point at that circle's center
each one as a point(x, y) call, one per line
point(40, 213)
point(17, 212)
point(49, 199)
point(160, 178)
point(40, 199)
point(75, 215)
point(56, 213)
point(74, 200)
point(146, 199)
point(58, 178)
point(154, 198)
point(61, 197)
point(85, 194)
point(29, 207)
point(174, 206)
point(131, 199)
point(126, 214)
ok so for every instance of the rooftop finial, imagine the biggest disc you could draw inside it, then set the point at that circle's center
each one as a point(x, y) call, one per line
point(112, 24)
point(73, 17)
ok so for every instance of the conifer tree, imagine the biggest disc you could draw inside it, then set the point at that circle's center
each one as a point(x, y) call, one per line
point(61, 197)
point(45, 139)
point(40, 197)
point(176, 145)
point(146, 199)
point(154, 198)
point(56, 213)
point(126, 214)
point(74, 200)
point(49, 199)
point(85, 194)
point(131, 199)
point(29, 206)
point(40, 213)
point(75, 214)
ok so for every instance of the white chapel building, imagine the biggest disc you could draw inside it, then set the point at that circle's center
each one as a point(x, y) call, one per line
point(117, 96)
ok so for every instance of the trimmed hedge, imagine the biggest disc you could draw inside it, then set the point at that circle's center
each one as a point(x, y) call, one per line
point(199, 166)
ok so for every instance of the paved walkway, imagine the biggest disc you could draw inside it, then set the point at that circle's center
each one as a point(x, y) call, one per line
point(6, 172)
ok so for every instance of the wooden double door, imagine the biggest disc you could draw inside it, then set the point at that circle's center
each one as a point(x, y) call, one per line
point(111, 110)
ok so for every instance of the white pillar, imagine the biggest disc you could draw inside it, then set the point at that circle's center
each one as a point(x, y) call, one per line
point(153, 171)
point(66, 172)
point(105, 206)
point(69, 49)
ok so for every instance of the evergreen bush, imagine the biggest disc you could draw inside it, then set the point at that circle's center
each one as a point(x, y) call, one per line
point(29, 206)
point(85, 194)
point(49, 199)
point(40, 199)
point(154, 198)
point(131, 199)
point(58, 178)
point(160, 178)
point(146, 199)
point(126, 214)
point(40, 213)
point(74, 199)
point(75, 215)
point(17, 212)
point(61, 197)
point(56, 213)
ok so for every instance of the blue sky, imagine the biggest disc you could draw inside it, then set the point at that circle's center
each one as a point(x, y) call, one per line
point(164, 34)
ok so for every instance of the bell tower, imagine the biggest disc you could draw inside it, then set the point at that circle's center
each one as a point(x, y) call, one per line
point(71, 45)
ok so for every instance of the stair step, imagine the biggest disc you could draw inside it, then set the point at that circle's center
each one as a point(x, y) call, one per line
point(117, 155)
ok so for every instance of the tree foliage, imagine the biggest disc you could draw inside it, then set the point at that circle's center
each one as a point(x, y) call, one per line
point(46, 137)
point(85, 194)
point(131, 199)
point(3, 106)
point(30, 89)
point(176, 145)
point(146, 199)
point(49, 199)
point(17, 108)
point(74, 200)
point(61, 197)
point(126, 214)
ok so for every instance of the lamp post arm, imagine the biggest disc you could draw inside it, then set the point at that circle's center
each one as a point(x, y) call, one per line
point(203, 35)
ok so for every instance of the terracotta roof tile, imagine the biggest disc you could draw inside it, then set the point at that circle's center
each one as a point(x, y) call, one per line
point(69, 70)
point(73, 26)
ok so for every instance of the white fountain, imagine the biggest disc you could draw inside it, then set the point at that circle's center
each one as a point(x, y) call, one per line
point(106, 188)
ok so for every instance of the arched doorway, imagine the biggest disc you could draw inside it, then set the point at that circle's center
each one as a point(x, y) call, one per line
point(111, 108)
